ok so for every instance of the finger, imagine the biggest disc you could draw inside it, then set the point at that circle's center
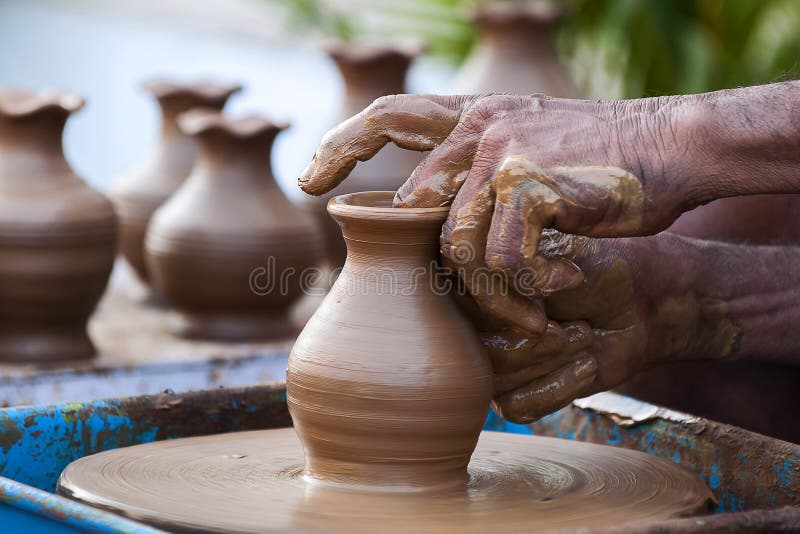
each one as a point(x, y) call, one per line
point(464, 248)
point(436, 181)
point(475, 195)
point(590, 201)
point(413, 122)
point(503, 383)
point(511, 351)
point(577, 339)
point(524, 204)
point(543, 276)
point(548, 393)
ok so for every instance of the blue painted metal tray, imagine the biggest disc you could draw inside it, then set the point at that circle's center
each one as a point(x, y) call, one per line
point(754, 478)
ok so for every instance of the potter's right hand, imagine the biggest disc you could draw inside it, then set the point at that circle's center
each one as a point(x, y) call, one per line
point(644, 301)
point(513, 165)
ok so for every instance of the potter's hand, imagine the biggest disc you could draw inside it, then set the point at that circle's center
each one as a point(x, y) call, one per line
point(583, 167)
point(497, 147)
point(642, 303)
point(513, 165)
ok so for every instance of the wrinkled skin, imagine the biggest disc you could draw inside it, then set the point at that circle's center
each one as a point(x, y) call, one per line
point(512, 166)
point(572, 315)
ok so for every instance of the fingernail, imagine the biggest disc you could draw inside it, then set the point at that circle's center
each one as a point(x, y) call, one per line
point(397, 201)
point(585, 368)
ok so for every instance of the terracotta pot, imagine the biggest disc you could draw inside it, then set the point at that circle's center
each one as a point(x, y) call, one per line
point(388, 384)
point(214, 248)
point(57, 234)
point(369, 71)
point(141, 191)
point(515, 52)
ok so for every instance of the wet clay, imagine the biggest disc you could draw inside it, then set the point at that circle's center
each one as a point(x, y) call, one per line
point(254, 482)
point(57, 234)
point(139, 192)
point(417, 381)
point(228, 249)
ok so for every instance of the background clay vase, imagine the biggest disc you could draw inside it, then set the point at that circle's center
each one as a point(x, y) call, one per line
point(140, 192)
point(227, 227)
point(417, 378)
point(57, 234)
point(369, 70)
point(515, 52)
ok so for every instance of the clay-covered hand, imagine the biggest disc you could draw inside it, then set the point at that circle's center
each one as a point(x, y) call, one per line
point(513, 165)
point(636, 308)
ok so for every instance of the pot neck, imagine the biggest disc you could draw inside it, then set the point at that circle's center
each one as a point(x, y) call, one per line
point(366, 79)
point(379, 236)
point(229, 159)
point(31, 146)
point(519, 38)
point(172, 106)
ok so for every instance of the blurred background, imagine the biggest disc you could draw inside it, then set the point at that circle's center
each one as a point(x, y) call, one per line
point(608, 48)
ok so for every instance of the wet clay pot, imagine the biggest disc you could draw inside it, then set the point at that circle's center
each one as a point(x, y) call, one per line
point(369, 71)
point(141, 191)
point(388, 385)
point(57, 234)
point(228, 249)
point(515, 52)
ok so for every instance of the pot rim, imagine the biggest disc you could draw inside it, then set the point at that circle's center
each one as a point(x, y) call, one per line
point(378, 205)
point(20, 103)
point(200, 120)
point(208, 89)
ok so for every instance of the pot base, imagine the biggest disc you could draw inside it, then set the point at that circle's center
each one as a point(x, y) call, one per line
point(46, 346)
point(254, 482)
point(219, 327)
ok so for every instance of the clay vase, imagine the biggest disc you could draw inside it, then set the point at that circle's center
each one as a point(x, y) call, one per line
point(57, 234)
point(228, 249)
point(388, 384)
point(369, 71)
point(138, 193)
point(515, 52)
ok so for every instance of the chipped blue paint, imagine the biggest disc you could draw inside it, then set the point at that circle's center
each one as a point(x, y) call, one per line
point(498, 424)
point(36, 443)
point(785, 472)
point(97, 428)
point(714, 477)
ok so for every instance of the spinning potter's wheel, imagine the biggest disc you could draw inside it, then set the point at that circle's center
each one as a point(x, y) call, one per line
point(388, 387)
point(253, 482)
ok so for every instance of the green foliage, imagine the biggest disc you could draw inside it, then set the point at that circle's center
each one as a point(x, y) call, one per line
point(655, 47)
point(319, 15)
point(614, 48)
